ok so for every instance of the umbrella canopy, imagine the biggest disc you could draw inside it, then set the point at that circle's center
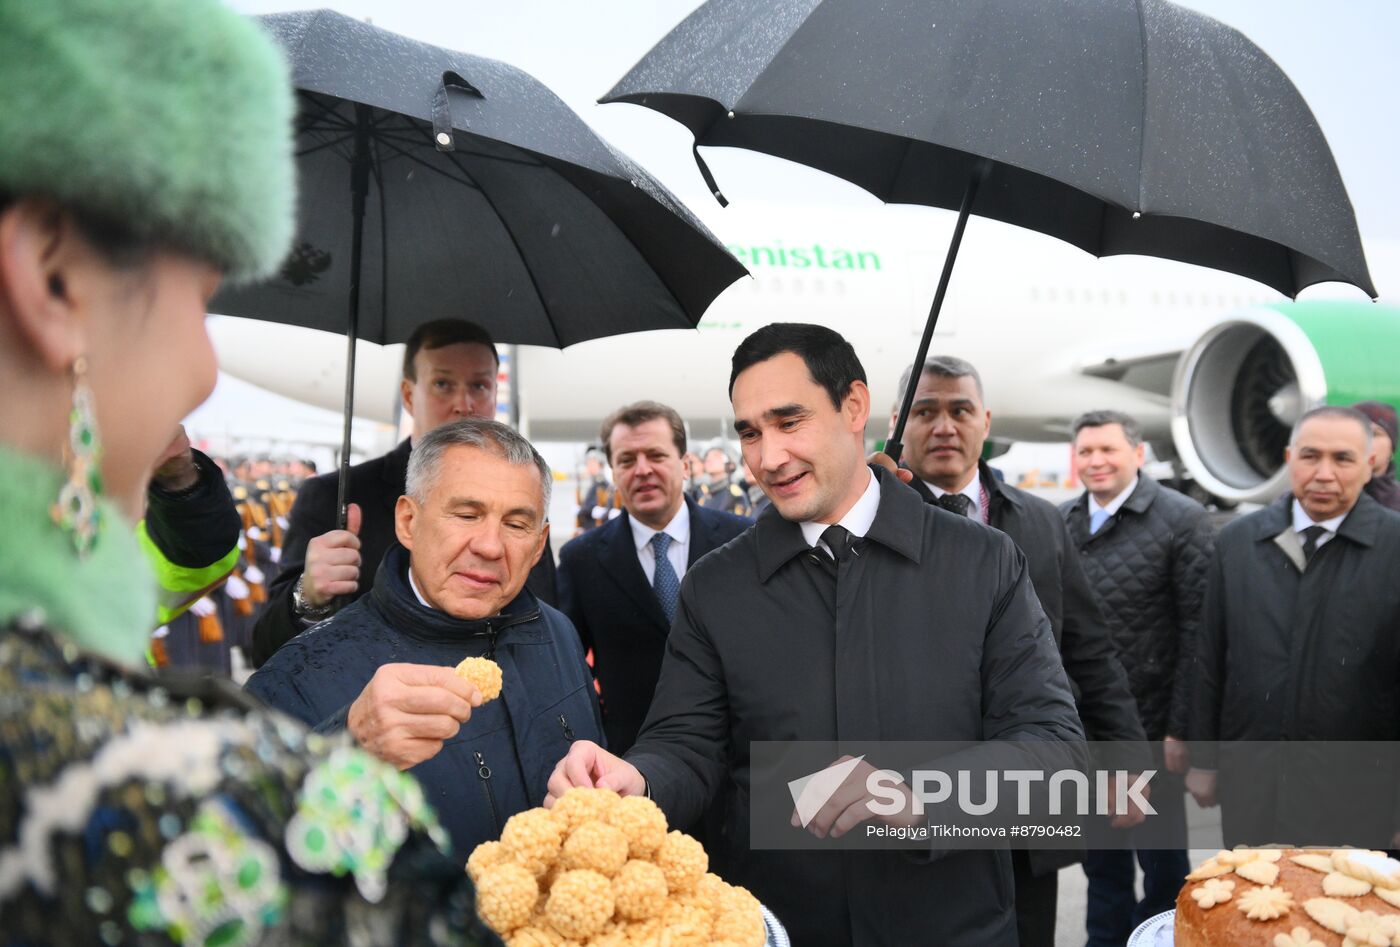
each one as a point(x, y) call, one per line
point(1120, 126)
point(435, 184)
point(483, 196)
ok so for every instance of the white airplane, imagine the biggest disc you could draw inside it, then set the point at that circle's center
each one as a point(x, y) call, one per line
point(1216, 367)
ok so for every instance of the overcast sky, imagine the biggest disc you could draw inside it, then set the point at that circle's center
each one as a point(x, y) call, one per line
point(1339, 54)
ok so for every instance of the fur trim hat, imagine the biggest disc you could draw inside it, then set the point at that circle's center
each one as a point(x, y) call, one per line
point(169, 118)
point(1383, 414)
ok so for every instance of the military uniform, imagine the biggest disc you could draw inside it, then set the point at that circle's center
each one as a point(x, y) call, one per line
point(259, 504)
point(599, 495)
point(727, 496)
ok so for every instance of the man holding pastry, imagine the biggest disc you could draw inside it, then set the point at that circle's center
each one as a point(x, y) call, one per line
point(414, 669)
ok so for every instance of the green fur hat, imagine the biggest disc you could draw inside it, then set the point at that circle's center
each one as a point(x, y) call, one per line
point(170, 118)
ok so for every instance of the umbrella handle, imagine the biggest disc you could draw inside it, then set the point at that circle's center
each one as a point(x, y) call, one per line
point(894, 447)
point(442, 108)
point(709, 178)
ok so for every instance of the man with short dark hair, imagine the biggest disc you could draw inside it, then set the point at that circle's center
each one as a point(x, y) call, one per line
point(944, 436)
point(619, 584)
point(470, 526)
point(1301, 642)
point(851, 610)
point(1145, 549)
point(449, 372)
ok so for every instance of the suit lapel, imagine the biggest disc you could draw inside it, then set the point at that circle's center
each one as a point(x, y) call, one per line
point(702, 540)
point(619, 559)
point(394, 475)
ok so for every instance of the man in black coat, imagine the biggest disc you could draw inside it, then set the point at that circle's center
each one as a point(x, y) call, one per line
point(947, 428)
point(851, 610)
point(1145, 549)
point(1301, 642)
point(449, 371)
point(609, 582)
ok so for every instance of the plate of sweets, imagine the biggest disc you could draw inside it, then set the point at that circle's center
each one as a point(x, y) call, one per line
point(602, 870)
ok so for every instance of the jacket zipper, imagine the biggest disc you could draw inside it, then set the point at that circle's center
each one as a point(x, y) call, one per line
point(568, 730)
point(483, 773)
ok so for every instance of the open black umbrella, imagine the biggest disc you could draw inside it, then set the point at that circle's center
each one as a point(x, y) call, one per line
point(1121, 126)
point(435, 183)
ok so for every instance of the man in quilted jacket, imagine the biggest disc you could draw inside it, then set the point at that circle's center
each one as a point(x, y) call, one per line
point(1146, 550)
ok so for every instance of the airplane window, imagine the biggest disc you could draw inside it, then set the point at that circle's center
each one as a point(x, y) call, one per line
point(820, 287)
point(797, 286)
point(1052, 294)
point(1035, 294)
point(840, 287)
point(1069, 295)
point(1122, 297)
point(1156, 298)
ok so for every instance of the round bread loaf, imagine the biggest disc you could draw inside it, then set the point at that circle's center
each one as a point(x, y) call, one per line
point(1290, 898)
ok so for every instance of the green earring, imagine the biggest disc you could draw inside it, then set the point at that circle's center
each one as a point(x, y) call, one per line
point(76, 511)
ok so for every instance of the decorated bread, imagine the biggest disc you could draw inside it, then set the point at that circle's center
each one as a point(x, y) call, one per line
point(1273, 897)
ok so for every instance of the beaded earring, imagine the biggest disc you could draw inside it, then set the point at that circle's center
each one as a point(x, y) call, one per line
point(76, 511)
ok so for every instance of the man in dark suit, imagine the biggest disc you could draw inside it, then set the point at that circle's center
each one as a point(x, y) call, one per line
point(1300, 642)
point(616, 583)
point(947, 428)
point(449, 372)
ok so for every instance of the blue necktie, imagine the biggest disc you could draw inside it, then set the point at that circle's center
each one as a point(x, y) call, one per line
point(664, 581)
point(1097, 519)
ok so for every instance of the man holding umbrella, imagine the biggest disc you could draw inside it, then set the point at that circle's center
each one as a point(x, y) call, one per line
point(449, 372)
point(850, 608)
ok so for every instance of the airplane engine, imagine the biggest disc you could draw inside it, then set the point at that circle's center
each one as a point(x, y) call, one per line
point(1240, 387)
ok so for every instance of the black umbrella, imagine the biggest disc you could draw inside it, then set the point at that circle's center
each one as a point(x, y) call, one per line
point(434, 184)
point(1121, 126)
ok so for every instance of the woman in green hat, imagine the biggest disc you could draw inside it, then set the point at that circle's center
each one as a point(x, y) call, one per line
point(145, 155)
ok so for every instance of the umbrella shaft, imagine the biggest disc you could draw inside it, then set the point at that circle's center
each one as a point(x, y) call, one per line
point(359, 188)
point(895, 446)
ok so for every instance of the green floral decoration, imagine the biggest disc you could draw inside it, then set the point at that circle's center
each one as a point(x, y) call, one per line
point(353, 813)
point(215, 886)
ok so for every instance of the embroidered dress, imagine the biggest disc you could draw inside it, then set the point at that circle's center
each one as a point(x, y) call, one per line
point(154, 810)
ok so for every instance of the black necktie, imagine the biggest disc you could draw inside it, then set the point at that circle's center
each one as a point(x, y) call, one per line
point(955, 503)
point(838, 540)
point(1310, 537)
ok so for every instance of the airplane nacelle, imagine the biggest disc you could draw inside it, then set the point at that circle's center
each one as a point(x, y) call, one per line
point(1239, 388)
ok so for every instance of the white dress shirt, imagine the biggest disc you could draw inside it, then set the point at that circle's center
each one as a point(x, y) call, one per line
point(1301, 521)
point(857, 520)
point(414, 586)
point(679, 550)
point(1114, 505)
point(973, 491)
